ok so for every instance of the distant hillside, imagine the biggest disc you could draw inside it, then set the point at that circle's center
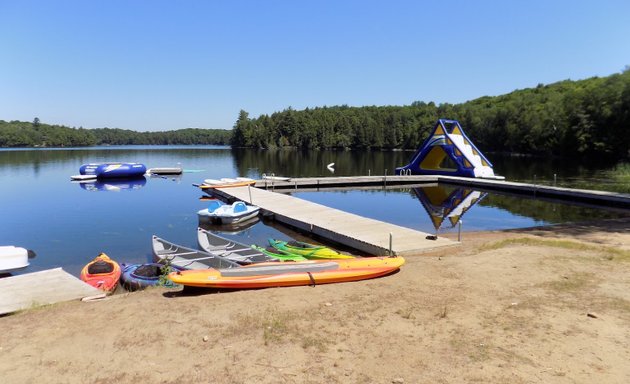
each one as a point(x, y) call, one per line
point(586, 117)
point(37, 134)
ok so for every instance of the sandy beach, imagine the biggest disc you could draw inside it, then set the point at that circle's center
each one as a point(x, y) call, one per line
point(540, 305)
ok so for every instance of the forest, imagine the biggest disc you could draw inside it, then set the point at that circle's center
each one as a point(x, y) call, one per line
point(588, 117)
point(37, 134)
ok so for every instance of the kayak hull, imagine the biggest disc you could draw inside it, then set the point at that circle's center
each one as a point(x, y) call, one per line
point(268, 275)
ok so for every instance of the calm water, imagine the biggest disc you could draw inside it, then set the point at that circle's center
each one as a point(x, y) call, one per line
point(67, 223)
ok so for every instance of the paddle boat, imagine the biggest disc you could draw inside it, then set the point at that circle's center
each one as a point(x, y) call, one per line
point(113, 170)
point(310, 251)
point(12, 258)
point(102, 273)
point(312, 272)
point(221, 213)
point(140, 276)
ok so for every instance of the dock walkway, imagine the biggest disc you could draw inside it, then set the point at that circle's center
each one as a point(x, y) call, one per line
point(366, 235)
point(42, 288)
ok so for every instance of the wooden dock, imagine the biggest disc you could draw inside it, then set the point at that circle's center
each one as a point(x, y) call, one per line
point(42, 288)
point(363, 234)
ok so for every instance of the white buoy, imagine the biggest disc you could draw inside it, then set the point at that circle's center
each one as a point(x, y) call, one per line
point(330, 167)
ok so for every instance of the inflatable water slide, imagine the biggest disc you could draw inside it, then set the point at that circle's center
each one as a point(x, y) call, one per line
point(448, 151)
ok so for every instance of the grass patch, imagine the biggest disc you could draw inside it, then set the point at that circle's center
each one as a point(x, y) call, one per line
point(573, 283)
point(317, 343)
point(276, 327)
point(609, 253)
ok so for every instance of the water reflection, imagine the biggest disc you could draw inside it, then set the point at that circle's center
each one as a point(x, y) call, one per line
point(444, 206)
point(114, 185)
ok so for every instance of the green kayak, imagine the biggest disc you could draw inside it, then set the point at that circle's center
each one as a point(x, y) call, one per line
point(278, 254)
point(310, 251)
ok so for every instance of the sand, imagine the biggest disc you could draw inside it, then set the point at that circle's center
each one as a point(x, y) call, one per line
point(544, 305)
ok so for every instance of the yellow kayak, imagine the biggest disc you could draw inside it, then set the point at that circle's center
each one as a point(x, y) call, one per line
point(310, 251)
point(313, 272)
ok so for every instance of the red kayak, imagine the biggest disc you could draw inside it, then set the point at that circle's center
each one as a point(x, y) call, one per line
point(102, 273)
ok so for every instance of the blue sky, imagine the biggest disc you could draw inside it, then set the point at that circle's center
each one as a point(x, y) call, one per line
point(161, 65)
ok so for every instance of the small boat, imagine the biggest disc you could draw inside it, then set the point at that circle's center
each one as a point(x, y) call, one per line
point(82, 177)
point(12, 258)
point(165, 171)
point(278, 254)
point(102, 273)
point(275, 178)
point(311, 272)
point(140, 276)
point(169, 253)
point(227, 183)
point(113, 170)
point(310, 251)
point(220, 213)
point(231, 250)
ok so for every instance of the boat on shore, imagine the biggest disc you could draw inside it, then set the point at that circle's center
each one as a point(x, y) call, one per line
point(266, 275)
point(278, 254)
point(13, 258)
point(229, 249)
point(140, 276)
point(165, 252)
point(102, 273)
point(310, 251)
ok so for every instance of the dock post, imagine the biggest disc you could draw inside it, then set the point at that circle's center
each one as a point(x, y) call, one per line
point(459, 231)
point(390, 244)
point(249, 189)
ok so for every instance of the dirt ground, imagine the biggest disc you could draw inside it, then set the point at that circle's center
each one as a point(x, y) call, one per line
point(544, 305)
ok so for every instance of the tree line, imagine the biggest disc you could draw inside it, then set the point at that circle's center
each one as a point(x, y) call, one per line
point(38, 134)
point(588, 117)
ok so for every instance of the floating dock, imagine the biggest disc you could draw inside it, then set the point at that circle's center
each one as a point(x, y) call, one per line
point(582, 196)
point(42, 288)
point(373, 236)
point(363, 234)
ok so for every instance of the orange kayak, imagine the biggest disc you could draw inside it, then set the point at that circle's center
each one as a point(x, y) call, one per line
point(102, 273)
point(287, 274)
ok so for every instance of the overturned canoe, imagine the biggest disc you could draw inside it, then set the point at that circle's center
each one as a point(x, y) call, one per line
point(311, 272)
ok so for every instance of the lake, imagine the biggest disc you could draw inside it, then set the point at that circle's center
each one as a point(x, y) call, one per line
point(67, 223)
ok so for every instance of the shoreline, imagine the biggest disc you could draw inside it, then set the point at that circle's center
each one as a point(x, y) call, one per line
point(544, 304)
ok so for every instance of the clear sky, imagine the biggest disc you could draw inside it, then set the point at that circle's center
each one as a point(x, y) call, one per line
point(161, 65)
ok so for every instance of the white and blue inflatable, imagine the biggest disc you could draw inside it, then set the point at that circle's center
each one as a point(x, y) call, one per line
point(113, 170)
